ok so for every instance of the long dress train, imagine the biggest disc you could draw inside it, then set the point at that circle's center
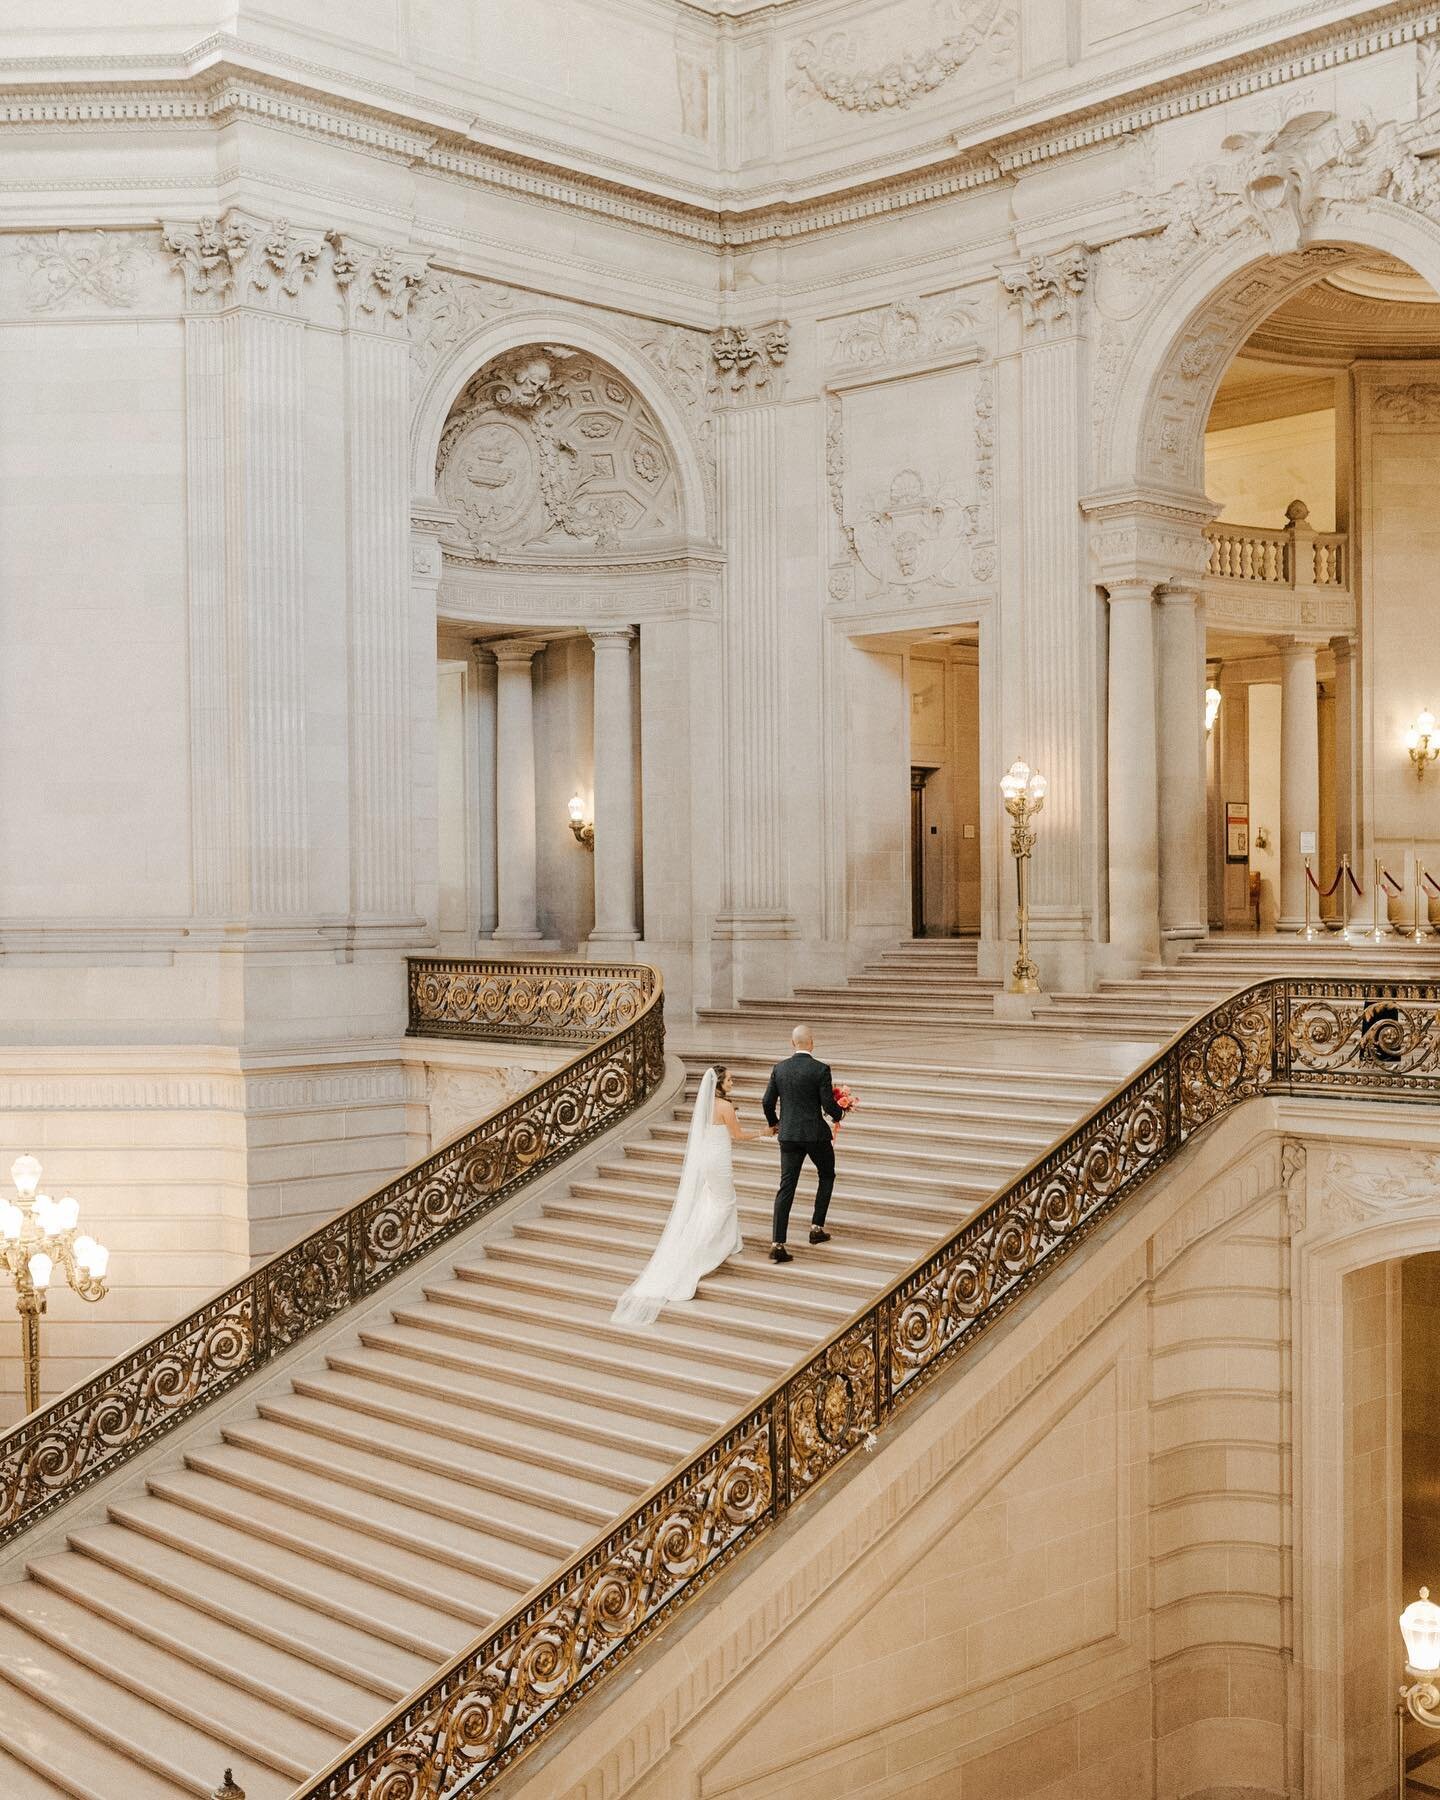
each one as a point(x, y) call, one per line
point(704, 1223)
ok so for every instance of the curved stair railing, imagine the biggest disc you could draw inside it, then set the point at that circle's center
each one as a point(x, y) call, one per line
point(616, 1012)
point(499, 1698)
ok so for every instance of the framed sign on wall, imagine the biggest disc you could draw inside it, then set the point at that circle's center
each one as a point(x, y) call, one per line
point(1237, 831)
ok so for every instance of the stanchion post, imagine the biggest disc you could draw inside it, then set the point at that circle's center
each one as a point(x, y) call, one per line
point(1346, 935)
point(1422, 927)
point(1310, 933)
point(1378, 933)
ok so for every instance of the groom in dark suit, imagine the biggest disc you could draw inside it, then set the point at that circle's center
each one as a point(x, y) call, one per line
point(802, 1089)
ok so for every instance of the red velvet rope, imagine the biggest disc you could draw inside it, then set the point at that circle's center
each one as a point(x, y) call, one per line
point(1430, 882)
point(1390, 881)
point(1359, 891)
point(1325, 893)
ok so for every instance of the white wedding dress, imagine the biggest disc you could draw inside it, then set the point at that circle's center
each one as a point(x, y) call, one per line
point(704, 1223)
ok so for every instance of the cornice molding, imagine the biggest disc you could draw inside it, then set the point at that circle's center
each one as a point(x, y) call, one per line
point(212, 82)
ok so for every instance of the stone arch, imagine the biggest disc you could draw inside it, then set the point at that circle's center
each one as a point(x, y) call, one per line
point(1162, 386)
point(683, 436)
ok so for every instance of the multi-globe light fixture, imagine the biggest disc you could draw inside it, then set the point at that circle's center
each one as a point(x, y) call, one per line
point(39, 1235)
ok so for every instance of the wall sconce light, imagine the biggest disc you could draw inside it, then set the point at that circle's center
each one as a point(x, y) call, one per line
point(1212, 708)
point(583, 828)
point(1420, 1628)
point(1421, 741)
point(1023, 790)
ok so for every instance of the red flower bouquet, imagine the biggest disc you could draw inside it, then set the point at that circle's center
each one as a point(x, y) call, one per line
point(846, 1101)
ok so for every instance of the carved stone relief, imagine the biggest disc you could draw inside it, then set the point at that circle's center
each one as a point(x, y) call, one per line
point(905, 331)
point(447, 309)
point(377, 285)
point(1048, 288)
point(549, 449)
point(67, 269)
point(908, 531)
point(458, 1098)
point(1410, 403)
point(746, 364)
point(833, 68)
point(681, 357)
point(1360, 1185)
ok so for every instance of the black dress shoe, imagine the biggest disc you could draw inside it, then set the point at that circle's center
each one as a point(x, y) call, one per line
point(778, 1253)
point(818, 1235)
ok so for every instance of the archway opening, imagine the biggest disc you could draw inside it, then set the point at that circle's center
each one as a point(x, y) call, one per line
point(556, 494)
point(1321, 449)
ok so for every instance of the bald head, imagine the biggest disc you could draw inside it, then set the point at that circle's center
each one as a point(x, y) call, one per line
point(802, 1038)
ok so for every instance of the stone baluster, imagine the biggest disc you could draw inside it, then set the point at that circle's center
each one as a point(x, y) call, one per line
point(615, 930)
point(518, 920)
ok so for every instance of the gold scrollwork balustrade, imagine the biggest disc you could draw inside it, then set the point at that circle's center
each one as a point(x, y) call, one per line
point(499, 1698)
point(82, 1436)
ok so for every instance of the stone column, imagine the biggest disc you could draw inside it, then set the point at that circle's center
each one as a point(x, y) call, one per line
point(518, 920)
point(1343, 650)
point(480, 692)
point(615, 927)
point(1299, 776)
point(1181, 763)
point(1133, 784)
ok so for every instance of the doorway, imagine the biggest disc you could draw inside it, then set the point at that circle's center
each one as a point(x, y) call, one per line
point(918, 779)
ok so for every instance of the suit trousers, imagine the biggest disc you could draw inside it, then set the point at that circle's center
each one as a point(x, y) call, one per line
point(792, 1161)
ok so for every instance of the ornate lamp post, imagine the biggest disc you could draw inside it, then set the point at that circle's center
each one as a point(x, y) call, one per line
point(1024, 791)
point(36, 1234)
point(1420, 1628)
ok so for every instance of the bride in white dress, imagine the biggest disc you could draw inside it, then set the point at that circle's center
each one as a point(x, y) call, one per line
point(704, 1224)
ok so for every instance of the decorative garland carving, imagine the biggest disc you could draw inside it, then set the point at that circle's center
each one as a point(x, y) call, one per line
point(445, 309)
point(828, 70)
point(70, 266)
point(906, 331)
point(1410, 403)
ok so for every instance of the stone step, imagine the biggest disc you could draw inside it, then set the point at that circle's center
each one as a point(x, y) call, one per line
point(285, 1578)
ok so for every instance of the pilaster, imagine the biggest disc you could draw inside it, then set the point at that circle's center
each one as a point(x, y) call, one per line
point(1299, 776)
point(1181, 763)
point(518, 920)
point(1047, 295)
point(376, 286)
point(615, 930)
point(480, 698)
point(756, 916)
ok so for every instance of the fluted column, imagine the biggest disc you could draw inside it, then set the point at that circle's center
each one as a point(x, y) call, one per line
point(480, 695)
point(1343, 650)
point(1181, 763)
point(1299, 775)
point(1133, 785)
point(615, 927)
point(515, 787)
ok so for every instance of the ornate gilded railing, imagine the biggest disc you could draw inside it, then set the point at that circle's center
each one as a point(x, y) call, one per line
point(499, 1698)
point(63, 1448)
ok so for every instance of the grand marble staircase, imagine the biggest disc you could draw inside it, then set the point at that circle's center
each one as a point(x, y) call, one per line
point(934, 982)
point(276, 1581)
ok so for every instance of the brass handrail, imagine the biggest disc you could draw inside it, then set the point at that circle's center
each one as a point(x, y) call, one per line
point(496, 1700)
point(118, 1412)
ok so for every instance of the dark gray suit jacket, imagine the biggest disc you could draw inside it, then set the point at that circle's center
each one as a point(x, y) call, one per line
point(801, 1085)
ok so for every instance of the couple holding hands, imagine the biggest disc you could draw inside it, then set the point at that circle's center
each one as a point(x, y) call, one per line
point(704, 1224)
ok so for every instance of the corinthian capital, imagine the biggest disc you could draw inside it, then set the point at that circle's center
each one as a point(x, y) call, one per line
point(746, 362)
point(377, 286)
point(1047, 287)
point(235, 259)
